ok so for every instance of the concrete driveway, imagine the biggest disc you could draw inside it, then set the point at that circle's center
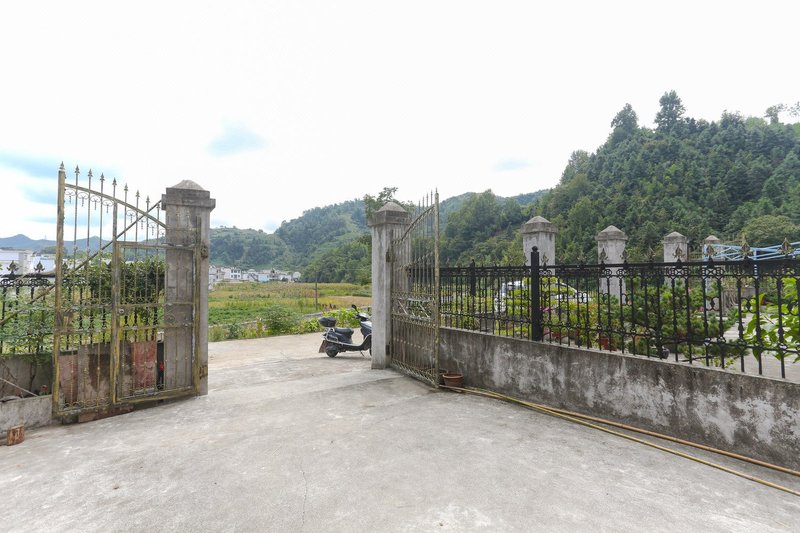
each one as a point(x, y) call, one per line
point(291, 440)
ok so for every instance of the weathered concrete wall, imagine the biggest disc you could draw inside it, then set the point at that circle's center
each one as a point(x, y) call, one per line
point(751, 415)
point(19, 372)
point(30, 412)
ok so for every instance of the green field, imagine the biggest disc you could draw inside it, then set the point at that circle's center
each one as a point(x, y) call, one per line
point(250, 310)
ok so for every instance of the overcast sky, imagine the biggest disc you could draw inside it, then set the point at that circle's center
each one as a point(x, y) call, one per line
point(277, 107)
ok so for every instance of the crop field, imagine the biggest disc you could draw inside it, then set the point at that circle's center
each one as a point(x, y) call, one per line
point(249, 309)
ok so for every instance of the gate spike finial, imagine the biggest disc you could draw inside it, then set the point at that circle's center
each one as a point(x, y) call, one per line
point(786, 248)
point(77, 171)
point(745, 247)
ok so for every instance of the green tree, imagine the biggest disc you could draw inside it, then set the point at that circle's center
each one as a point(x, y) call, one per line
point(770, 230)
point(773, 112)
point(624, 124)
point(671, 113)
point(374, 203)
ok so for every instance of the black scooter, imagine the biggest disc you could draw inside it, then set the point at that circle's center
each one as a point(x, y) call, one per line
point(336, 340)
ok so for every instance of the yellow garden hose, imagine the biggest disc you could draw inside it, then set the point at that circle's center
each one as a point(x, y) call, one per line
point(588, 421)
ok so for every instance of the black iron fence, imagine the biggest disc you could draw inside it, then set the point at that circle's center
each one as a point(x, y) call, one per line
point(717, 313)
point(26, 314)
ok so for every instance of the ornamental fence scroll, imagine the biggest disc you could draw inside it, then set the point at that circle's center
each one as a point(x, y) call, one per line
point(26, 318)
point(726, 314)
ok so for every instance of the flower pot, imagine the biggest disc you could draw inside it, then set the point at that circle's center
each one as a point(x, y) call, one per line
point(453, 379)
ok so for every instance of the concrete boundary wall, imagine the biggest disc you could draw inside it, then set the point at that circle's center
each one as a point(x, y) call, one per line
point(750, 415)
point(31, 412)
point(18, 371)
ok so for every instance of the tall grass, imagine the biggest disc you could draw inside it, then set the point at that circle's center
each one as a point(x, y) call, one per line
point(252, 310)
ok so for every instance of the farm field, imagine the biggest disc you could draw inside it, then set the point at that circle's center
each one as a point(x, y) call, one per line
point(249, 310)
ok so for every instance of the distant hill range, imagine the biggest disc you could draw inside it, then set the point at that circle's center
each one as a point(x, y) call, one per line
point(22, 242)
point(329, 241)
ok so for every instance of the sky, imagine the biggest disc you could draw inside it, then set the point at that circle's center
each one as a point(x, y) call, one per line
point(277, 107)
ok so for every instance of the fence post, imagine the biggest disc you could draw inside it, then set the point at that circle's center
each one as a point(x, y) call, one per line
point(610, 248)
point(472, 279)
point(711, 245)
point(188, 211)
point(536, 331)
point(540, 233)
point(676, 248)
point(388, 221)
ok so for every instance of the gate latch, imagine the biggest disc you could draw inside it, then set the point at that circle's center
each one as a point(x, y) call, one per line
point(203, 371)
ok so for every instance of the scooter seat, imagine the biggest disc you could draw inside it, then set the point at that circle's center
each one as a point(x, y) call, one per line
point(343, 331)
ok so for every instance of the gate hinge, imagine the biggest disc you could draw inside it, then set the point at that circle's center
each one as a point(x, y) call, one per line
point(203, 371)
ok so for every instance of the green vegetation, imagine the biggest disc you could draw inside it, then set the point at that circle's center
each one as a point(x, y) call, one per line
point(251, 310)
point(332, 244)
point(732, 178)
point(775, 329)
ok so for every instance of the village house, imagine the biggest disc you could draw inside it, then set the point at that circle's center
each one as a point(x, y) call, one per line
point(26, 261)
point(233, 274)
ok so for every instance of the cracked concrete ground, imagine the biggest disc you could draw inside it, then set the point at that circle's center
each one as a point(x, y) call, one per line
point(291, 440)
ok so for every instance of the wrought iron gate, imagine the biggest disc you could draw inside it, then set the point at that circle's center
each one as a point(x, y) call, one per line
point(415, 294)
point(119, 338)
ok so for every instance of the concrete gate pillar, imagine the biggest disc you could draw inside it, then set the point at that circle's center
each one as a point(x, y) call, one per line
point(541, 233)
point(676, 247)
point(188, 211)
point(389, 222)
point(710, 246)
point(610, 250)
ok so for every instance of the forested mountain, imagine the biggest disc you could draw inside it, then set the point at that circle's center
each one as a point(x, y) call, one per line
point(246, 248)
point(735, 177)
point(333, 242)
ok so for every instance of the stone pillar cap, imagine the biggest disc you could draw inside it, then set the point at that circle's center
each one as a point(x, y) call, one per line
point(391, 213)
point(188, 193)
point(539, 224)
point(188, 184)
point(612, 233)
point(712, 238)
point(391, 206)
point(674, 236)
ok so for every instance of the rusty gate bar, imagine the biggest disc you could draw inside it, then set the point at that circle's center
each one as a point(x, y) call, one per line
point(111, 313)
point(415, 318)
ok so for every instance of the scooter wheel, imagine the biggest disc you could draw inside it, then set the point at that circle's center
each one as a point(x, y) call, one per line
point(331, 351)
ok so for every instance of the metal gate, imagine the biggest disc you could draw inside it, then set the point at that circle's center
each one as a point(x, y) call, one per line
point(415, 294)
point(120, 336)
